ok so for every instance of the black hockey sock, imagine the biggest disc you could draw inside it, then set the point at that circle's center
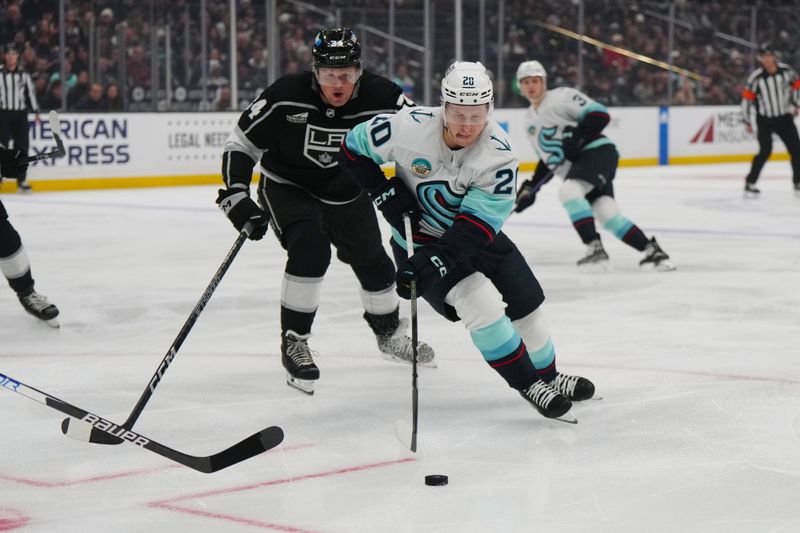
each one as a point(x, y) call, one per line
point(586, 229)
point(516, 368)
point(635, 238)
point(548, 373)
point(296, 321)
point(383, 325)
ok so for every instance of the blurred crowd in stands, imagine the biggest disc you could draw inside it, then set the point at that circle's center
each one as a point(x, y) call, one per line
point(111, 45)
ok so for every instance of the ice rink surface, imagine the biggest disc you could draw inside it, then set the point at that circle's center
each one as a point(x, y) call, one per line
point(699, 428)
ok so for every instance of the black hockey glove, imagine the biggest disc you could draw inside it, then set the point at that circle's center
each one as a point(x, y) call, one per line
point(572, 142)
point(243, 212)
point(427, 266)
point(12, 163)
point(526, 196)
point(393, 199)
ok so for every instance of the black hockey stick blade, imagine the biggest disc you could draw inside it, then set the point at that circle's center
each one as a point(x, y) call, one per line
point(251, 446)
point(80, 430)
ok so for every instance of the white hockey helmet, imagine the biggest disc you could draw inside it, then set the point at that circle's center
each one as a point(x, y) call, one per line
point(467, 83)
point(528, 69)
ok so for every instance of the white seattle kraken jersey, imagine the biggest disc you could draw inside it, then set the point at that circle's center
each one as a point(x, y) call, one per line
point(560, 108)
point(479, 179)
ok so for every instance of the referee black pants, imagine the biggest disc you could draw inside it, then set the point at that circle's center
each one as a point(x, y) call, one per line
point(14, 125)
point(784, 128)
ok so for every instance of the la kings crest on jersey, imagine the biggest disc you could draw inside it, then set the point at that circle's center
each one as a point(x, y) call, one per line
point(294, 135)
point(322, 144)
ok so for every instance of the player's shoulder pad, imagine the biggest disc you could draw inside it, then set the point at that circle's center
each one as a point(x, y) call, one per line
point(377, 89)
point(291, 87)
point(498, 138)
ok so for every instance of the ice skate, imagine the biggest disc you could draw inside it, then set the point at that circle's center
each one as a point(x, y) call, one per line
point(23, 187)
point(655, 257)
point(394, 344)
point(397, 347)
point(595, 255)
point(576, 388)
point(297, 359)
point(548, 401)
point(38, 306)
point(797, 190)
point(751, 191)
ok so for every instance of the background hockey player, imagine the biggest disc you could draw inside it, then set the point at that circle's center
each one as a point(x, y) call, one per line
point(456, 172)
point(13, 260)
point(565, 128)
point(294, 129)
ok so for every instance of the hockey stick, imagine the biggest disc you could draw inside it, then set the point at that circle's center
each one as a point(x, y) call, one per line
point(408, 436)
point(55, 128)
point(91, 433)
point(251, 446)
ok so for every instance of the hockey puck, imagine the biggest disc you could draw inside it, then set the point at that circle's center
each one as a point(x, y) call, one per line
point(436, 480)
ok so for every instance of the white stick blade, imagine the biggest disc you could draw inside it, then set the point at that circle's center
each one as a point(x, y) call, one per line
point(54, 125)
point(77, 429)
point(403, 432)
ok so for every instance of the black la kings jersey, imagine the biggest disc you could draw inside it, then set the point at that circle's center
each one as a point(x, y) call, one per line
point(296, 135)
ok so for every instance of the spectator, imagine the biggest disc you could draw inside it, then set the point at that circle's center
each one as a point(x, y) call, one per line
point(114, 99)
point(79, 91)
point(93, 101)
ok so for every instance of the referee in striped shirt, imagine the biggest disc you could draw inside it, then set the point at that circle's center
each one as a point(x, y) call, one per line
point(772, 94)
point(17, 97)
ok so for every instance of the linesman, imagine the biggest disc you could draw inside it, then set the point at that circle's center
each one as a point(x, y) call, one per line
point(17, 97)
point(772, 94)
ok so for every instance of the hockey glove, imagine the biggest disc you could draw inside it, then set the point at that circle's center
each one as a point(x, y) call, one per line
point(572, 143)
point(243, 212)
point(526, 196)
point(427, 266)
point(12, 163)
point(393, 199)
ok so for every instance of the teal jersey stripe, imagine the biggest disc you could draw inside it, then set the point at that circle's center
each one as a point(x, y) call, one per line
point(578, 209)
point(357, 141)
point(594, 106)
point(602, 141)
point(543, 357)
point(497, 340)
point(618, 225)
point(494, 210)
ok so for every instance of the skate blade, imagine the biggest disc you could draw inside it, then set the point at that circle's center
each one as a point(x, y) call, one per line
point(53, 323)
point(394, 359)
point(596, 267)
point(751, 195)
point(303, 385)
point(567, 418)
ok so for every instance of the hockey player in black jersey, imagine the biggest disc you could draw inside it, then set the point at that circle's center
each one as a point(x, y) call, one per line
point(293, 131)
point(13, 260)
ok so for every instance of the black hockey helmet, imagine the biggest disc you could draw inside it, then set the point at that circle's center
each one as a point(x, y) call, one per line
point(336, 47)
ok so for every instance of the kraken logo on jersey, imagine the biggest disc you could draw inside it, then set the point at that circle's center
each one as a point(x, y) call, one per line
point(440, 206)
point(322, 144)
point(555, 153)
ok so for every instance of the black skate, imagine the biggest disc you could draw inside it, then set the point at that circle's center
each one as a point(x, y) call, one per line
point(595, 254)
point(38, 306)
point(576, 388)
point(797, 189)
point(751, 191)
point(548, 401)
point(297, 359)
point(655, 257)
point(24, 187)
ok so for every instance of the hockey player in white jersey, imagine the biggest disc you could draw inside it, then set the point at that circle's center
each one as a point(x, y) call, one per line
point(456, 174)
point(564, 126)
